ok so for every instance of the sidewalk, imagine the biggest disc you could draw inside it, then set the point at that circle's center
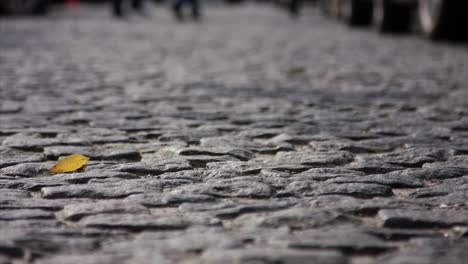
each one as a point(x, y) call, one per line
point(247, 138)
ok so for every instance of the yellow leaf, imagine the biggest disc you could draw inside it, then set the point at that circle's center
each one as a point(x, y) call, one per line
point(70, 163)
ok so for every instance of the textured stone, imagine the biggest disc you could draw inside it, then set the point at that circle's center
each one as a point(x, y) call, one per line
point(321, 174)
point(358, 206)
point(223, 142)
point(57, 245)
point(135, 222)
point(187, 175)
point(316, 159)
point(389, 179)
point(345, 240)
point(84, 259)
point(433, 218)
point(167, 199)
point(189, 136)
point(377, 145)
point(262, 255)
point(241, 154)
point(437, 173)
point(202, 161)
point(193, 240)
point(101, 190)
point(29, 141)
point(239, 168)
point(32, 184)
point(245, 144)
point(294, 218)
point(396, 234)
point(13, 194)
point(27, 169)
point(230, 209)
point(291, 139)
point(430, 251)
point(373, 166)
point(413, 157)
point(12, 215)
point(360, 190)
point(156, 166)
point(84, 177)
point(109, 153)
point(77, 211)
point(454, 162)
point(447, 187)
point(254, 167)
point(148, 257)
point(10, 106)
point(93, 136)
point(442, 198)
point(32, 203)
point(29, 224)
point(230, 188)
point(12, 157)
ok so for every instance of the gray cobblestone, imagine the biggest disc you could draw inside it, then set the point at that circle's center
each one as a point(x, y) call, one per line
point(246, 138)
point(402, 218)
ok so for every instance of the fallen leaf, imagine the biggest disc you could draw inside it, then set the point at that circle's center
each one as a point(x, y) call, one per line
point(69, 163)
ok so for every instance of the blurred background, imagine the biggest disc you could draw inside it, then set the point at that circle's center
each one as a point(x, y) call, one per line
point(435, 19)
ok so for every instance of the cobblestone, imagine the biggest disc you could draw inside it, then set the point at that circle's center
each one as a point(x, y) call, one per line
point(245, 138)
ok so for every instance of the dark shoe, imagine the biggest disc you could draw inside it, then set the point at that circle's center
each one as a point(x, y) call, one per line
point(118, 14)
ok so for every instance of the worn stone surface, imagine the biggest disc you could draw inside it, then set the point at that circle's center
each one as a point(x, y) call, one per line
point(296, 218)
point(260, 255)
point(25, 214)
point(245, 138)
point(12, 157)
point(429, 218)
point(341, 238)
point(134, 222)
point(168, 199)
point(231, 209)
point(99, 190)
point(111, 152)
point(430, 250)
point(236, 187)
point(77, 211)
point(359, 190)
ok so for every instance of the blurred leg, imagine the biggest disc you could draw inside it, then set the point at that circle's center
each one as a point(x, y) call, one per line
point(140, 7)
point(137, 4)
point(177, 9)
point(195, 9)
point(117, 8)
point(294, 7)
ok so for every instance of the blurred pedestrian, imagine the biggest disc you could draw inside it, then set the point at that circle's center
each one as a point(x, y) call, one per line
point(178, 10)
point(294, 8)
point(118, 7)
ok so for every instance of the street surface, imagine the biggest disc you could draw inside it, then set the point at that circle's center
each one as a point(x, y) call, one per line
point(246, 138)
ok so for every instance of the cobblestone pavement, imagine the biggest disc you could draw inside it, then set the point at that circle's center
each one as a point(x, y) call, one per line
point(247, 138)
